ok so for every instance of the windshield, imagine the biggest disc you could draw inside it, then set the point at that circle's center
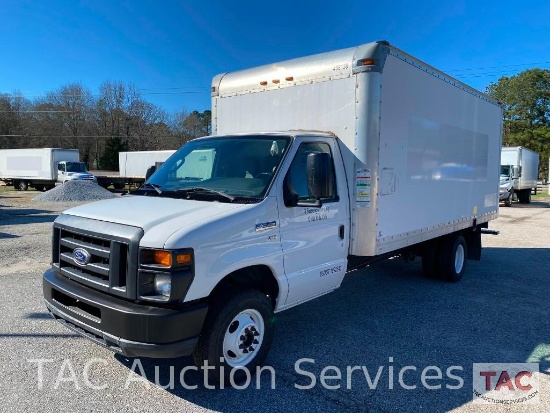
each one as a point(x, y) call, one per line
point(226, 167)
point(505, 170)
point(76, 167)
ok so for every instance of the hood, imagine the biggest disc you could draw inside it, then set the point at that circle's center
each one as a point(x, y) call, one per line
point(166, 215)
point(77, 173)
point(504, 179)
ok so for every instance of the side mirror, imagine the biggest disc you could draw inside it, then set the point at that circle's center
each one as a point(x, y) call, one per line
point(150, 171)
point(318, 183)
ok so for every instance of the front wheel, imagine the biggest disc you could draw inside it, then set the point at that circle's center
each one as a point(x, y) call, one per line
point(236, 336)
point(508, 201)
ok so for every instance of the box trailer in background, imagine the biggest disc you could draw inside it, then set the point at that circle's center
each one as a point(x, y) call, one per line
point(133, 168)
point(136, 164)
point(519, 168)
point(320, 165)
point(41, 168)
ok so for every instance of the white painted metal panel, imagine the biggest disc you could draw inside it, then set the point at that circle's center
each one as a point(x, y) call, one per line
point(325, 106)
point(438, 156)
point(529, 168)
point(527, 159)
point(135, 164)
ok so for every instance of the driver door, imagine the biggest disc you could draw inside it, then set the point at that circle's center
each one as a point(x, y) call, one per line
point(314, 239)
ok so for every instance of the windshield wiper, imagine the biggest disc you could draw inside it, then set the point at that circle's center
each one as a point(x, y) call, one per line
point(188, 191)
point(156, 187)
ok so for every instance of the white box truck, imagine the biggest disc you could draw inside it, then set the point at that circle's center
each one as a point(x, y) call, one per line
point(519, 169)
point(134, 167)
point(320, 165)
point(41, 168)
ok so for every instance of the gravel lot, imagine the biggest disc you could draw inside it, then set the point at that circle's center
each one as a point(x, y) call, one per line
point(387, 315)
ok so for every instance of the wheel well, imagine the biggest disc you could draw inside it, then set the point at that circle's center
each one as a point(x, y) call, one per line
point(471, 235)
point(258, 277)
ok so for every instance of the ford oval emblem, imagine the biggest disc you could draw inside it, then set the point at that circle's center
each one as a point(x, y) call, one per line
point(81, 256)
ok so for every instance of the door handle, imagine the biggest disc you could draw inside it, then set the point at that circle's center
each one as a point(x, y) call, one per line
point(341, 231)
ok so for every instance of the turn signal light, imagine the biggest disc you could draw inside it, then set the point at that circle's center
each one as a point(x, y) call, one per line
point(163, 258)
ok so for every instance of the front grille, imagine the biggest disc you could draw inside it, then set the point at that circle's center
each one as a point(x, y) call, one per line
point(87, 178)
point(112, 254)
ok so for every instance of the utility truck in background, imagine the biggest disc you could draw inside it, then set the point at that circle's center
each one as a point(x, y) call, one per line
point(134, 168)
point(318, 166)
point(519, 169)
point(42, 168)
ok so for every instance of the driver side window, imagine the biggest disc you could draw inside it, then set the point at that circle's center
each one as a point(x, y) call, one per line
point(295, 183)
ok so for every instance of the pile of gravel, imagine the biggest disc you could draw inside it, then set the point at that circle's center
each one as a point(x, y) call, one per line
point(75, 191)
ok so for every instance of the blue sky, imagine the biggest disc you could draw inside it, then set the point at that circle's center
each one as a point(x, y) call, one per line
point(170, 50)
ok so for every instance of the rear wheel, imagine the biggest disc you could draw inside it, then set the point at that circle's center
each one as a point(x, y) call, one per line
point(452, 258)
point(527, 198)
point(237, 334)
point(22, 186)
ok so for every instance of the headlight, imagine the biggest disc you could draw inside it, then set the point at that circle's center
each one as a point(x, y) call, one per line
point(164, 275)
point(163, 284)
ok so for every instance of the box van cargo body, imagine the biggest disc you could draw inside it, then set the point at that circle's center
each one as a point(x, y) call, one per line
point(41, 168)
point(518, 174)
point(318, 165)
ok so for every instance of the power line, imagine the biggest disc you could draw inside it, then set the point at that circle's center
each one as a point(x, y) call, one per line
point(37, 111)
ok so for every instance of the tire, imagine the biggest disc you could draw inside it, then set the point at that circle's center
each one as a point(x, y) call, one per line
point(238, 331)
point(452, 258)
point(22, 186)
point(508, 201)
point(429, 259)
point(524, 196)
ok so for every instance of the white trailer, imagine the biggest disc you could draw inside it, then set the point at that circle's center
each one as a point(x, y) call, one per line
point(320, 165)
point(136, 164)
point(519, 169)
point(41, 168)
point(134, 168)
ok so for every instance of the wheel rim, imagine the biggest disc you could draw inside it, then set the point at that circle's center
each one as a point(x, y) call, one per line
point(243, 338)
point(459, 258)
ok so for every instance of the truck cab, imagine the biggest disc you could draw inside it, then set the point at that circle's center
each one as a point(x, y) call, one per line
point(73, 171)
point(260, 220)
point(509, 175)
